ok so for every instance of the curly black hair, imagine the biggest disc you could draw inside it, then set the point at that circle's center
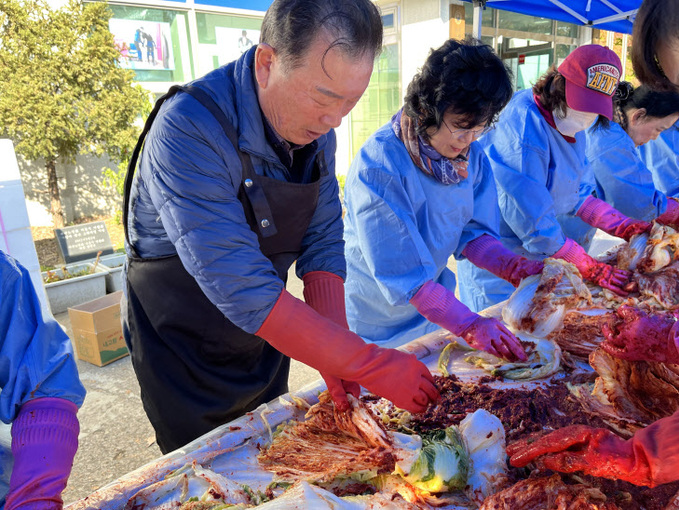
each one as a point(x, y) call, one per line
point(464, 77)
point(657, 103)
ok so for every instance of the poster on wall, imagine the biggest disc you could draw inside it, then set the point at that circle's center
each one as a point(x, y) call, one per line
point(143, 44)
point(233, 42)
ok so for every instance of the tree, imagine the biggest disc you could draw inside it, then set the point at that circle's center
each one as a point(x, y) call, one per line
point(63, 91)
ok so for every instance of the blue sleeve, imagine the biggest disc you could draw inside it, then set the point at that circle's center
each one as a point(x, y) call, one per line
point(36, 356)
point(521, 173)
point(196, 175)
point(623, 180)
point(661, 156)
point(486, 218)
point(323, 244)
point(385, 225)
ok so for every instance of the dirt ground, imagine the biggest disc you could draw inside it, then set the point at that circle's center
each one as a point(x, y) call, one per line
point(48, 249)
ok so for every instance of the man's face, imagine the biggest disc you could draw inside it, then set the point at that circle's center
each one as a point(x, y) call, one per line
point(306, 102)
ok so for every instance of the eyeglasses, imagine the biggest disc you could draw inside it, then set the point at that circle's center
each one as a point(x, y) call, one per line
point(476, 133)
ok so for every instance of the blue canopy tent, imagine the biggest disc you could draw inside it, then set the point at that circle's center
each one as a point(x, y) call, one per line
point(251, 5)
point(614, 15)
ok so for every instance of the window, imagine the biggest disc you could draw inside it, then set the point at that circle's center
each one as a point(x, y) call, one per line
point(167, 58)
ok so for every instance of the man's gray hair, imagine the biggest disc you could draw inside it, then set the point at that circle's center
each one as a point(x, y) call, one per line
point(290, 27)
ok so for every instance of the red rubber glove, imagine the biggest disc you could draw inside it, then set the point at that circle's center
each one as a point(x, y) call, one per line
point(440, 306)
point(296, 330)
point(44, 442)
point(605, 276)
point(671, 215)
point(599, 214)
point(650, 457)
point(490, 254)
point(642, 337)
point(324, 292)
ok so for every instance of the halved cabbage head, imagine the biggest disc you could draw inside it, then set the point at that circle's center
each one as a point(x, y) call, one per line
point(540, 303)
point(443, 463)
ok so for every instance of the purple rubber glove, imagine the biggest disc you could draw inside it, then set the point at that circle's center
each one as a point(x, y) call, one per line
point(605, 276)
point(44, 441)
point(601, 215)
point(490, 254)
point(671, 215)
point(440, 306)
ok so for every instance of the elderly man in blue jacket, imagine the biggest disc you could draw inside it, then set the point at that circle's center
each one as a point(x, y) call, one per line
point(236, 182)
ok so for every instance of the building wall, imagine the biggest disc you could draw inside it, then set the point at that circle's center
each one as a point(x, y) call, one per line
point(81, 187)
point(424, 27)
point(201, 38)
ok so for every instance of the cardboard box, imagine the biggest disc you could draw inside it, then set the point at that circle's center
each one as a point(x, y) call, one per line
point(97, 332)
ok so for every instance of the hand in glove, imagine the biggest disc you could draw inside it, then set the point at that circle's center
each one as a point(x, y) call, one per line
point(650, 457)
point(605, 276)
point(44, 442)
point(324, 292)
point(296, 330)
point(440, 306)
point(599, 214)
point(488, 334)
point(490, 254)
point(671, 215)
point(642, 337)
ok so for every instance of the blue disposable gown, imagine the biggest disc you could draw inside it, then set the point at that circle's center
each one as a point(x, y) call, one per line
point(661, 156)
point(401, 227)
point(622, 178)
point(36, 356)
point(542, 180)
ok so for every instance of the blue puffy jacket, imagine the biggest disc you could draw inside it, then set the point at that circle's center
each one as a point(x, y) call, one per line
point(184, 197)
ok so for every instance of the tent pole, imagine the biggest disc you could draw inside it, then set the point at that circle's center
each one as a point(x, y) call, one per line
point(477, 18)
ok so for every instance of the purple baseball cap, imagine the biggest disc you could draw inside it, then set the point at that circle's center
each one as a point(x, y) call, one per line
point(592, 74)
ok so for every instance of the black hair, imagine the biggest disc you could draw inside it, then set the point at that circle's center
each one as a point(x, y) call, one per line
point(657, 103)
point(551, 92)
point(291, 26)
point(464, 77)
point(656, 22)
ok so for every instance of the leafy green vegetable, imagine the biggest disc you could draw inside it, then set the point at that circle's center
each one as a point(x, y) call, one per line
point(443, 463)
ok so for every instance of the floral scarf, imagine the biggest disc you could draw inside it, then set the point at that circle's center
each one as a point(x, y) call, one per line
point(425, 157)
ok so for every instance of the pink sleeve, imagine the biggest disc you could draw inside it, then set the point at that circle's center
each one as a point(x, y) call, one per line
point(440, 306)
point(599, 214)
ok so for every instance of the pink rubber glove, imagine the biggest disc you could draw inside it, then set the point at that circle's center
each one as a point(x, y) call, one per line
point(324, 292)
point(44, 442)
point(490, 254)
point(642, 337)
point(440, 306)
point(298, 331)
point(599, 214)
point(671, 215)
point(650, 457)
point(605, 276)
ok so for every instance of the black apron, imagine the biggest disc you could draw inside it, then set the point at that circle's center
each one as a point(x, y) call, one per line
point(196, 369)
